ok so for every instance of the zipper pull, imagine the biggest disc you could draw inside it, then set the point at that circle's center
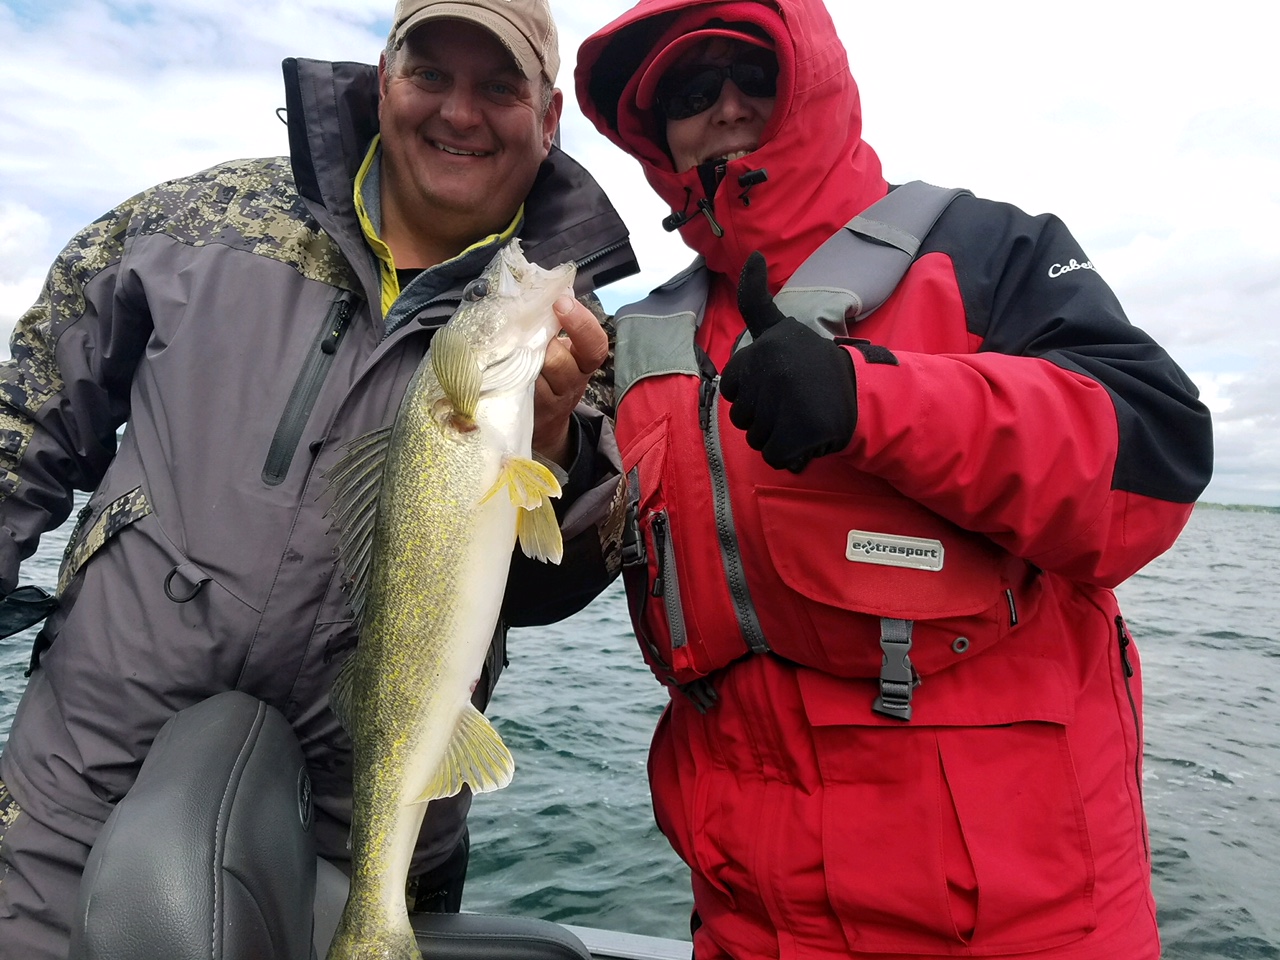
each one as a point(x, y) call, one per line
point(707, 402)
point(1124, 645)
point(707, 391)
point(710, 174)
point(339, 317)
point(659, 547)
point(705, 206)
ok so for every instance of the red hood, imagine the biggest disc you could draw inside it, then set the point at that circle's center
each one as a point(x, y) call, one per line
point(820, 172)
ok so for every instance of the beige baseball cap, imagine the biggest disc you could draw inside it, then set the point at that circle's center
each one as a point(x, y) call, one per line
point(524, 27)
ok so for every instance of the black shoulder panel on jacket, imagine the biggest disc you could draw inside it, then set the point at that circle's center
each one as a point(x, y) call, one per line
point(332, 111)
point(304, 171)
point(1030, 290)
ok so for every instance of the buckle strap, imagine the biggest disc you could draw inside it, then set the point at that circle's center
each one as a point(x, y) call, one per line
point(898, 678)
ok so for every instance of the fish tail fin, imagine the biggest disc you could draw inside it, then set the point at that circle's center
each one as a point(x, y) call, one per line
point(531, 486)
point(476, 756)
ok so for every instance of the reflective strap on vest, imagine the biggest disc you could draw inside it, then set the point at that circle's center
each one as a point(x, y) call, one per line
point(857, 269)
point(897, 677)
point(844, 280)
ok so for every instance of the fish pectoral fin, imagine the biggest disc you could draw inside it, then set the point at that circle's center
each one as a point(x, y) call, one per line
point(455, 365)
point(538, 531)
point(531, 486)
point(528, 482)
point(476, 756)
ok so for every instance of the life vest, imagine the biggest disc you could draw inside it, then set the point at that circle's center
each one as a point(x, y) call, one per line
point(725, 557)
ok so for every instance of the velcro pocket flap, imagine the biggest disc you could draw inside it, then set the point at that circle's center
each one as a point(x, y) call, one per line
point(878, 555)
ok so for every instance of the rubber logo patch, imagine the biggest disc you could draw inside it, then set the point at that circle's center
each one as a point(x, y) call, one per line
point(889, 550)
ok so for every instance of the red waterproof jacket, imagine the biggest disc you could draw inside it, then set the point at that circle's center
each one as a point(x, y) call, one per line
point(1009, 414)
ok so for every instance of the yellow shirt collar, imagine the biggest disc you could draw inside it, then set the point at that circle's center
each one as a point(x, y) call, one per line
point(390, 282)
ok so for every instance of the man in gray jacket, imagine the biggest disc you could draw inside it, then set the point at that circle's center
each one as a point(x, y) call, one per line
point(244, 323)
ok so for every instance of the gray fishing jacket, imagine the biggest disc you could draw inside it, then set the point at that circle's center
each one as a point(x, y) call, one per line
point(231, 321)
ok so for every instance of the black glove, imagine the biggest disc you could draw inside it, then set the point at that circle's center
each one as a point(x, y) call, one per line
point(791, 389)
point(24, 607)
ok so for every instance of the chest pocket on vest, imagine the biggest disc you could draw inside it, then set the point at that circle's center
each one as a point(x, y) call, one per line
point(665, 553)
point(884, 557)
point(648, 555)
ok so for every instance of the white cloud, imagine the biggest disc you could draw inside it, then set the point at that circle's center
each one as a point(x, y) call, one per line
point(1156, 137)
point(24, 235)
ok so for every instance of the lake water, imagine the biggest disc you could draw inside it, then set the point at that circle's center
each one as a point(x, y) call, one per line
point(573, 840)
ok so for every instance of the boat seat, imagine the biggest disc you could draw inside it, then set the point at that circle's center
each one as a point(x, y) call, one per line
point(210, 856)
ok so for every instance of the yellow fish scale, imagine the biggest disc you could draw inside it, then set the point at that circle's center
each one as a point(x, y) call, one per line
point(434, 484)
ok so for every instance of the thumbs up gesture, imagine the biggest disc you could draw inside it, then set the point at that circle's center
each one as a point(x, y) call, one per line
point(791, 389)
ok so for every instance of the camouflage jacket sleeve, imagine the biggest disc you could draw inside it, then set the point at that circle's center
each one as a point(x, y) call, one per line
point(65, 389)
point(591, 512)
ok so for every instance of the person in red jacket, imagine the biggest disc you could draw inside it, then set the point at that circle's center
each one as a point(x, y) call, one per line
point(874, 533)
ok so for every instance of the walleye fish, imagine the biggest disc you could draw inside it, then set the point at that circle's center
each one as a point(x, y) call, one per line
point(429, 511)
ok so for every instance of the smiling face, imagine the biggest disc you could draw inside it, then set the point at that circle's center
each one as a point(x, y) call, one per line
point(463, 135)
point(732, 126)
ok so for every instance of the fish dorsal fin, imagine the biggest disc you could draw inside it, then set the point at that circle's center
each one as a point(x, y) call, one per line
point(355, 480)
point(476, 756)
point(531, 485)
point(455, 365)
point(341, 694)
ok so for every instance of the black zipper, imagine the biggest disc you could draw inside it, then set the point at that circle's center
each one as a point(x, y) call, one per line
point(1125, 642)
point(666, 584)
point(306, 389)
point(655, 590)
point(748, 620)
point(593, 257)
point(659, 526)
point(710, 379)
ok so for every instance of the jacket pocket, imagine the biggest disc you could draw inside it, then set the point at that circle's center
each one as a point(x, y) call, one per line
point(649, 565)
point(646, 550)
point(962, 836)
point(849, 560)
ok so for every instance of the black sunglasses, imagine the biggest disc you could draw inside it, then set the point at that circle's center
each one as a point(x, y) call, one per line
point(687, 92)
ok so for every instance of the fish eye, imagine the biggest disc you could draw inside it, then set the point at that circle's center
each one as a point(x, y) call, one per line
point(477, 289)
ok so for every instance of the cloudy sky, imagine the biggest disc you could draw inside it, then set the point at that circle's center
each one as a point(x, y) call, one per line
point(1155, 134)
